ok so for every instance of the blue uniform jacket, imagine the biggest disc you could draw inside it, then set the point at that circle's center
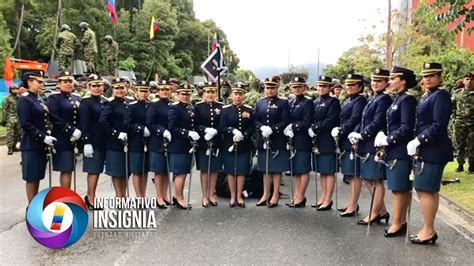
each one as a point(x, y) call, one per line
point(351, 115)
point(89, 113)
point(433, 113)
point(400, 125)
point(301, 117)
point(33, 118)
point(272, 112)
point(373, 120)
point(157, 123)
point(112, 122)
point(208, 115)
point(327, 111)
point(64, 116)
point(135, 123)
point(241, 118)
point(181, 120)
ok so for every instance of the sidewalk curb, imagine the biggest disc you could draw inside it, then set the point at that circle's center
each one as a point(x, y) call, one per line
point(462, 209)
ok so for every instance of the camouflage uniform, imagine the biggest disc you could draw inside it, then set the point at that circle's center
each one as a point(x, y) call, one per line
point(67, 42)
point(90, 49)
point(463, 114)
point(111, 55)
point(10, 120)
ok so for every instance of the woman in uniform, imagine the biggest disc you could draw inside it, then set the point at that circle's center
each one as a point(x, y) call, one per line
point(327, 111)
point(301, 116)
point(271, 118)
point(92, 136)
point(184, 137)
point(112, 122)
point(373, 121)
point(36, 141)
point(138, 134)
point(237, 127)
point(160, 137)
point(432, 148)
point(400, 128)
point(351, 115)
point(63, 106)
point(208, 160)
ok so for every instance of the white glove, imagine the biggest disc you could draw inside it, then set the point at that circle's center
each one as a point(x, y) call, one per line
point(167, 135)
point(354, 137)
point(194, 135)
point(311, 133)
point(146, 132)
point(266, 131)
point(237, 135)
point(412, 145)
point(335, 132)
point(49, 140)
point(211, 131)
point(288, 132)
point(122, 136)
point(383, 141)
point(377, 138)
point(76, 135)
point(88, 151)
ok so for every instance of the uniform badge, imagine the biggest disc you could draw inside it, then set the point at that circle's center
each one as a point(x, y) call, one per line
point(217, 111)
point(246, 115)
point(395, 107)
point(322, 105)
point(273, 106)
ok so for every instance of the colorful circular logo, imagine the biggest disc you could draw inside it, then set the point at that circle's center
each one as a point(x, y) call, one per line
point(57, 217)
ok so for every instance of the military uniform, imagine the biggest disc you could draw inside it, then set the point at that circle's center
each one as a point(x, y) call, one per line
point(10, 119)
point(157, 123)
point(33, 117)
point(351, 115)
point(272, 112)
point(463, 115)
point(89, 47)
point(64, 116)
point(112, 122)
point(111, 54)
point(327, 111)
point(67, 43)
point(301, 112)
point(373, 120)
point(138, 132)
point(435, 147)
point(181, 122)
point(207, 117)
point(237, 160)
point(90, 111)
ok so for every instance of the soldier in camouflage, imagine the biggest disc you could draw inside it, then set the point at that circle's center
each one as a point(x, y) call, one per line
point(67, 43)
point(89, 46)
point(463, 115)
point(10, 118)
point(111, 54)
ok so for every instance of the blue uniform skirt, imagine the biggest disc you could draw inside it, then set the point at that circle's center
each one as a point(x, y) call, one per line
point(94, 165)
point(136, 163)
point(180, 164)
point(33, 165)
point(301, 162)
point(276, 164)
point(115, 163)
point(347, 165)
point(63, 161)
point(244, 163)
point(371, 170)
point(428, 176)
point(325, 163)
point(398, 173)
point(202, 161)
point(157, 162)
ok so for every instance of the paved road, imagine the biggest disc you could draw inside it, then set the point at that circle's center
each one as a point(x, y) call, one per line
point(220, 235)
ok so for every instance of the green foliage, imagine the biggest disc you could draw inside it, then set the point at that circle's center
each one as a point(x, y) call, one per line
point(5, 47)
point(127, 64)
point(457, 12)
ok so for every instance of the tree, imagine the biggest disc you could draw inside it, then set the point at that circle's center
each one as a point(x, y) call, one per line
point(459, 12)
point(5, 47)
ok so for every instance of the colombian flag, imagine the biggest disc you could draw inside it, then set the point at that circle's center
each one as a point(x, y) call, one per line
point(112, 11)
point(215, 41)
point(153, 27)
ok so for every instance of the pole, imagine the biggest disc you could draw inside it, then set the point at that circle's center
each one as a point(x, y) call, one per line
point(317, 69)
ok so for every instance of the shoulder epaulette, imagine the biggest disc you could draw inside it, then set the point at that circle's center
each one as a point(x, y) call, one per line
point(134, 102)
point(155, 100)
point(76, 94)
point(220, 102)
point(86, 96)
point(175, 103)
point(25, 93)
point(200, 102)
point(227, 106)
point(130, 98)
point(56, 92)
point(111, 98)
point(248, 106)
point(307, 97)
point(282, 98)
point(104, 98)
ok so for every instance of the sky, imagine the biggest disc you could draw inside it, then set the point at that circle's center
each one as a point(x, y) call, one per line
point(281, 32)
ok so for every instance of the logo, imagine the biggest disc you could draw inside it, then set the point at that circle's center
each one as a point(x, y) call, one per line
point(57, 217)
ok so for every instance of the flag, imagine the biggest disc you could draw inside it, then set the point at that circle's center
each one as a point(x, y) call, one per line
point(215, 64)
point(215, 41)
point(223, 49)
point(112, 11)
point(153, 27)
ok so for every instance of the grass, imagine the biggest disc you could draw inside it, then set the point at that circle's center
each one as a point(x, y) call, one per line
point(462, 193)
point(2, 131)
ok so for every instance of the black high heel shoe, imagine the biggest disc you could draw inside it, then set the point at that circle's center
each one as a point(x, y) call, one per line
point(272, 205)
point(167, 202)
point(289, 203)
point(241, 204)
point(232, 204)
point(344, 209)
point(162, 206)
point(213, 203)
point(89, 205)
point(348, 214)
point(205, 204)
point(432, 240)
point(262, 203)
point(327, 208)
point(385, 217)
point(316, 205)
point(179, 206)
point(399, 232)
